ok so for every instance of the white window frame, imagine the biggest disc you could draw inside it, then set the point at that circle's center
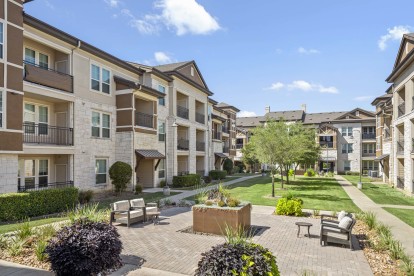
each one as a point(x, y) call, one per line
point(100, 126)
point(347, 168)
point(106, 169)
point(2, 109)
point(37, 57)
point(346, 148)
point(36, 116)
point(2, 39)
point(161, 122)
point(345, 131)
point(161, 99)
point(36, 171)
point(161, 169)
point(101, 68)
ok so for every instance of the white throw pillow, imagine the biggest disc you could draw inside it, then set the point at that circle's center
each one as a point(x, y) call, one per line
point(345, 223)
point(341, 215)
point(139, 202)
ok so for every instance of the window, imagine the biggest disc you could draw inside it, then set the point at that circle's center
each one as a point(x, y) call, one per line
point(326, 141)
point(33, 173)
point(43, 61)
point(347, 148)
point(36, 119)
point(161, 169)
point(103, 85)
point(1, 40)
point(161, 131)
point(1, 109)
point(101, 171)
point(357, 113)
point(192, 71)
point(161, 100)
point(347, 165)
point(36, 58)
point(368, 148)
point(29, 56)
point(347, 131)
point(101, 125)
point(369, 165)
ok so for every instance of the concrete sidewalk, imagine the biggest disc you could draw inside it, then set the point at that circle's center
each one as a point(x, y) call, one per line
point(401, 231)
point(13, 269)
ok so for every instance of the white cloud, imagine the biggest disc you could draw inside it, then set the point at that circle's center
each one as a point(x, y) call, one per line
point(304, 86)
point(49, 5)
point(181, 16)
point(362, 98)
point(304, 51)
point(394, 33)
point(113, 3)
point(246, 114)
point(162, 58)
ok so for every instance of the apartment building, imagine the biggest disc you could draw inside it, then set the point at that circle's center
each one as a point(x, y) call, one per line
point(347, 139)
point(70, 110)
point(402, 91)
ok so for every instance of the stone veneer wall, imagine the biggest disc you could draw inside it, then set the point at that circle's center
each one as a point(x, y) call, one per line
point(8, 172)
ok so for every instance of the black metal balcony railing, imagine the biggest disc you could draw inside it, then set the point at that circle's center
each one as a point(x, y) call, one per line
point(226, 149)
point(144, 120)
point(182, 144)
point(368, 154)
point(161, 174)
point(182, 112)
point(368, 135)
point(225, 129)
point(38, 187)
point(326, 144)
point(200, 118)
point(46, 134)
point(400, 182)
point(400, 147)
point(216, 135)
point(47, 77)
point(200, 146)
point(401, 109)
point(239, 146)
point(387, 133)
point(200, 172)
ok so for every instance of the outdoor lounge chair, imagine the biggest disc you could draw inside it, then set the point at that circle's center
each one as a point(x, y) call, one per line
point(329, 219)
point(122, 212)
point(340, 233)
point(139, 203)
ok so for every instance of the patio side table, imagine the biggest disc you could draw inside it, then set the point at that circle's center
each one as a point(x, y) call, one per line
point(305, 224)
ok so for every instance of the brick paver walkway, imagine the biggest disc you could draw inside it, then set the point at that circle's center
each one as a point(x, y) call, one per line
point(400, 230)
point(164, 248)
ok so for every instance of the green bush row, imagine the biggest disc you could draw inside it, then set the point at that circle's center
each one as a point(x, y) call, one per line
point(186, 180)
point(217, 175)
point(289, 207)
point(17, 206)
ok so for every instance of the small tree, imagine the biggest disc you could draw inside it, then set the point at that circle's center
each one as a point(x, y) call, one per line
point(228, 165)
point(249, 157)
point(120, 174)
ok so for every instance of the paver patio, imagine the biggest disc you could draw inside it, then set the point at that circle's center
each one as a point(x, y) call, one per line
point(164, 248)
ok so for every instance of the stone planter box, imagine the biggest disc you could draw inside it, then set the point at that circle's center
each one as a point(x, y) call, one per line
point(214, 219)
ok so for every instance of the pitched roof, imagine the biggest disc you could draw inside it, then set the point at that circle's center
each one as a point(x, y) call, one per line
point(317, 118)
point(225, 105)
point(381, 98)
point(293, 115)
point(149, 154)
point(172, 66)
point(249, 121)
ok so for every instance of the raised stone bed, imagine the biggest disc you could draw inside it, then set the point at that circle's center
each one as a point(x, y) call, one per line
point(215, 219)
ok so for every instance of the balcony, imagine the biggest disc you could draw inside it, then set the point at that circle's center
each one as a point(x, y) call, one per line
point(39, 187)
point(200, 118)
point(225, 129)
point(368, 136)
point(200, 146)
point(226, 149)
point(387, 133)
point(182, 112)
point(368, 154)
point(216, 135)
point(182, 144)
point(46, 134)
point(325, 145)
point(400, 182)
point(144, 120)
point(239, 146)
point(401, 109)
point(400, 147)
point(35, 74)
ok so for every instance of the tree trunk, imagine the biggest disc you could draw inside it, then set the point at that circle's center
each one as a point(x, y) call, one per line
point(287, 175)
point(273, 185)
point(294, 175)
point(281, 175)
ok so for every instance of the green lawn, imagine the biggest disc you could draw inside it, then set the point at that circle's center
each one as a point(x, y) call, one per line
point(103, 204)
point(381, 193)
point(316, 193)
point(405, 215)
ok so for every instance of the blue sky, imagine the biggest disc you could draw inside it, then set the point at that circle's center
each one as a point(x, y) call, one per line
point(330, 55)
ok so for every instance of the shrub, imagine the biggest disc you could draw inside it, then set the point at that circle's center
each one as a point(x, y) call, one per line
point(329, 174)
point(309, 172)
point(221, 203)
point(120, 173)
point(186, 180)
point(4, 242)
point(207, 179)
point(396, 250)
point(351, 173)
point(289, 207)
point(163, 183)
point(89, 212)
point(85, 196)
point(138, 189)
point(85, 248)
point(208, 202)
point(233, 202)
point(17, 206)
point(237, 259)
point(45, 232)
point(235, 170)
point(217, 175)
point(407, 265)
point(40, 250)
point(316, 212)
point(291, 172)
point(15, 247)
point(228, 166)
point(24, 230)
point(370, 219)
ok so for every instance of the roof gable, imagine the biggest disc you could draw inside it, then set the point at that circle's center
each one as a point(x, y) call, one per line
point(357, 113)
point(406, 46)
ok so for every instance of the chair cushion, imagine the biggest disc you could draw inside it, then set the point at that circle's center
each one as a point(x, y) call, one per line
point(136, 213)
point(123, 217)
point(121, 205)
point(139, 202)
point(345, 223)
point(341, 215)
point(151, 209)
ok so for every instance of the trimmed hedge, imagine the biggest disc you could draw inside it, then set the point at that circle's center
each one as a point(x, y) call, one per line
point(186, 180)
point(217, 175)
point(289, 207)
point(17, 206)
